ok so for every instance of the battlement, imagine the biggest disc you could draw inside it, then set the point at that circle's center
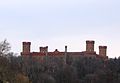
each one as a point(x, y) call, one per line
point(90, 41)
point(26, 43)
point(102, 47)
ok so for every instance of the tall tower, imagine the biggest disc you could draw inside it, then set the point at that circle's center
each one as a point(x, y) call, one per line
point(90, 46)
point(103, 51)
point(26, 48)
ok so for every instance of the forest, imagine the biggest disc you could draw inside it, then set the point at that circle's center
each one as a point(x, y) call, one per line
point(17, 69)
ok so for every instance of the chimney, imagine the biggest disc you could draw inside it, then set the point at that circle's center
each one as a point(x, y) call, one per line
point(65, 49)
point(90, 46)
point(65, 58)
point(102, 50)
point(26, 47)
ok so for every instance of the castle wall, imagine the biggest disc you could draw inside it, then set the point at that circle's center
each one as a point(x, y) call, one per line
point(44, 51)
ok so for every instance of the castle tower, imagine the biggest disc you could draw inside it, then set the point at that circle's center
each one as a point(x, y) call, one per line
point(103, 51)
point(26, 48)
point(44, 49)
point(90, 46)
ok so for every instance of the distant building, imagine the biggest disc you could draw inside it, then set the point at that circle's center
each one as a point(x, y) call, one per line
point(44, 51)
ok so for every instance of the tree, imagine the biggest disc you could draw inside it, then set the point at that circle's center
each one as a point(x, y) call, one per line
point(4, 48)
point(20, 78)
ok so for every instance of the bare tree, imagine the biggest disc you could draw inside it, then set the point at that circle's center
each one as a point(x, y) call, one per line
point(4, 48)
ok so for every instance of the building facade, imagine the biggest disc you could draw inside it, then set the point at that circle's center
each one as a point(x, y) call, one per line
point(90, 52)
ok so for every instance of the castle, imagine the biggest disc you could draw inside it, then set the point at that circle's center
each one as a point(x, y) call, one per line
point(44, 51)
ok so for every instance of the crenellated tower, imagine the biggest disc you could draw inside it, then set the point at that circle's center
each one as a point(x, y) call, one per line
point(26, 48)
point(44, 49)
point(103, 51)
point(90, 46)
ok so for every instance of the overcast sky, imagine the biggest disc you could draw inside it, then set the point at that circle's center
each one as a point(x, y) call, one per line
point(57, 23)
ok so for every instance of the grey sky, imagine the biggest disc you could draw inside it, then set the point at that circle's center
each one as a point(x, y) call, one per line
point(60, 22)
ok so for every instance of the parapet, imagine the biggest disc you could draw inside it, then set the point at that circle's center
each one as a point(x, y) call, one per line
point(105, 47)
point(26, 43)
point(90, 41)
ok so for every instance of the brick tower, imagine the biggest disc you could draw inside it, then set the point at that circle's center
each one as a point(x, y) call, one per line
point(90, 46)
point(26, 48)
point(103, 51)
point(44, 49)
